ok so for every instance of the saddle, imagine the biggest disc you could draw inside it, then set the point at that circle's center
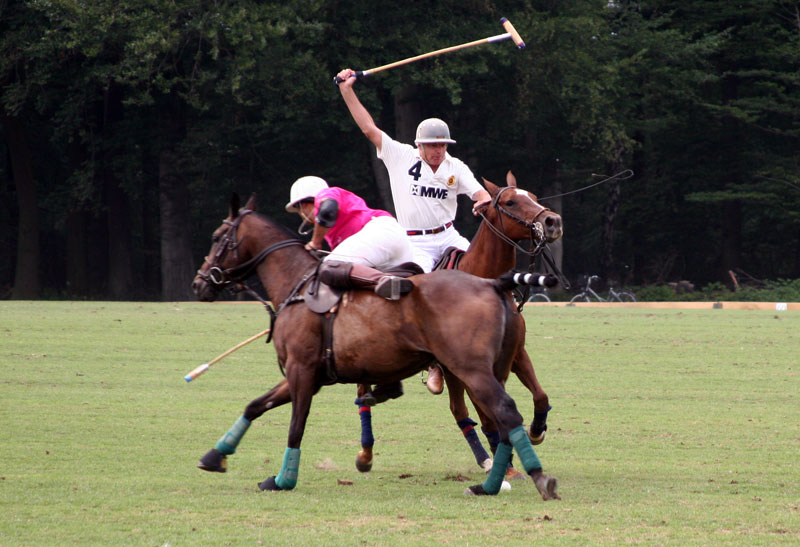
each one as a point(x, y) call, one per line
point(323, 299)
point(450, 259)
point(320, 297)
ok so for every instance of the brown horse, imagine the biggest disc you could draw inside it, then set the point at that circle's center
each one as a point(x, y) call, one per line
point(514, 215)
point(374, 340)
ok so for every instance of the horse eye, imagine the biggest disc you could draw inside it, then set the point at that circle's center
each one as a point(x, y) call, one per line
point(510, 202)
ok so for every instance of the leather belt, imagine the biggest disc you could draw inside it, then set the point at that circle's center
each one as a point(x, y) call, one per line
point(429, 231)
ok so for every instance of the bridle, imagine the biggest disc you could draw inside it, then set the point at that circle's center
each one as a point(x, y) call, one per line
point(538, 241)
point(220, 278)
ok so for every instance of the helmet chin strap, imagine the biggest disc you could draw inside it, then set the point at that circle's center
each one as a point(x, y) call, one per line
point(305, 227)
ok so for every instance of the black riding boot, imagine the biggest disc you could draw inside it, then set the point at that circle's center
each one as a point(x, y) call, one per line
point(346, 275)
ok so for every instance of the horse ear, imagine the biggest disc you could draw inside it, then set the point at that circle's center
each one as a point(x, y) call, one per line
point(234, 205)
point(251, 202)
point(491, 187)
point(511, 179)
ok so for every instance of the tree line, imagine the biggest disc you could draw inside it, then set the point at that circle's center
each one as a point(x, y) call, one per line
point(126, 125)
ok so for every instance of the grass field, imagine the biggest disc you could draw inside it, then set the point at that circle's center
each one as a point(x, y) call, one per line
point(668, 427)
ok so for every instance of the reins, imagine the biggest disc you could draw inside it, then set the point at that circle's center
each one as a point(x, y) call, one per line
point(224, 278)
point(622, 175)
point(538, 247)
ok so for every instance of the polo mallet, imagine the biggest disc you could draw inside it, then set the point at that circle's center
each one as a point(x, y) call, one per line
point(204, 367)
point(510, 33)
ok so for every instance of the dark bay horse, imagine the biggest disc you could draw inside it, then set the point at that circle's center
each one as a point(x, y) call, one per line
point(511, 217)
point(374, 340)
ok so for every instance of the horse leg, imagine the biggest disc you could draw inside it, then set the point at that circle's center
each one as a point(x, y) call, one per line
point(458, 407)
point(489, 429)
point(302, 387)
point(492, 399)
point(523, 368)
point(364, 457)
point(215, 459)
point(367, 398)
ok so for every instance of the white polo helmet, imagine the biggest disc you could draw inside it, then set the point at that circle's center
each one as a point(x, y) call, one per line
point(304, 188)
point(433, 130)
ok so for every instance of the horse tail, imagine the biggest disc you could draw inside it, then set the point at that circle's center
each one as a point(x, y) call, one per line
point(512, 279)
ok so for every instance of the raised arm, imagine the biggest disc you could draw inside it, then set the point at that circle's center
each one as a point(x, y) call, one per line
point(362, 118)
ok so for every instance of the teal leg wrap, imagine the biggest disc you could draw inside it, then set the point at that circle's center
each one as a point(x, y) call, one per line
point(523, 446)
point(227, 444)
point(287, 478)
point(502, 457)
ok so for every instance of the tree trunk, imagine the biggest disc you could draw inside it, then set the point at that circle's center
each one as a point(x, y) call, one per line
point(26, 279)
point(120, 240)
point(731, 238)
point(76, 254)
point(120, 247)
point(608, 267)
point(177, 264)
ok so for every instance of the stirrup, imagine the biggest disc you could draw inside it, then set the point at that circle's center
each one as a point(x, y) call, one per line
point(392, 287)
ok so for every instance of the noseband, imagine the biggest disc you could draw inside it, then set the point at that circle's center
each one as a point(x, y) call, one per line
point(220, 278)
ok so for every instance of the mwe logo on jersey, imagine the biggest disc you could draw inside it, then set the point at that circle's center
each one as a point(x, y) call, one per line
point(428, 192)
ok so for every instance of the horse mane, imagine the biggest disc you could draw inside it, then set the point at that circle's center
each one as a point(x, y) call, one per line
point(277, 225)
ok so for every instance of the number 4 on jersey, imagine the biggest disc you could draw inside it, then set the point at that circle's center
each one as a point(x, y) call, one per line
point(416, 170)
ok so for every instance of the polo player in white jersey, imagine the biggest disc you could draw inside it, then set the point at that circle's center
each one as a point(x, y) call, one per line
point(425, 183)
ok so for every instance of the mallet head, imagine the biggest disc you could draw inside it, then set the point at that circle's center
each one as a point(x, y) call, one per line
point(513, 32)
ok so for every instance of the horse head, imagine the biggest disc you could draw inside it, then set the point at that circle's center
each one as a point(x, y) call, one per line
point(226, 253)
point(524, 209)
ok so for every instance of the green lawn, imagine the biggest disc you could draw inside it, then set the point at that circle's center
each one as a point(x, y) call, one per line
point(668, 427)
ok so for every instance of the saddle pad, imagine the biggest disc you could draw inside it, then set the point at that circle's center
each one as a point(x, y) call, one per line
point(449, 260)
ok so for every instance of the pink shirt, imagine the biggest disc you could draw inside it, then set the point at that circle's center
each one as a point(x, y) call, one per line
point(353, 214)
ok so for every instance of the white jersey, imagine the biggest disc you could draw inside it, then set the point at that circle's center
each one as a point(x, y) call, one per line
point(424, 199)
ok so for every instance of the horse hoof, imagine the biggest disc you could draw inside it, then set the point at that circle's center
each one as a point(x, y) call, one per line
point(363, 465)
point(476, 490)
point(547, 486)
point(269, 484)
point(512, 474)
point(214, 461)
point(536, 432)
point(536, 439)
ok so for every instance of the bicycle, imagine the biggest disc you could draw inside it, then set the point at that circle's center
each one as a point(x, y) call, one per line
point(539, 295)
point(587, 294)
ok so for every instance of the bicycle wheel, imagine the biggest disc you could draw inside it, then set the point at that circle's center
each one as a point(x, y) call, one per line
point(539, 297)
point(581, 297)
point(625, 296)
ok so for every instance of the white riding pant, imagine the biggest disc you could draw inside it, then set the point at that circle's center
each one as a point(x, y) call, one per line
point(381, 243)
point(429, 248)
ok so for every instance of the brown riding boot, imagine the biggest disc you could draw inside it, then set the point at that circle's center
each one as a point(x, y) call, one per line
point(435, 382)
point(347, 275)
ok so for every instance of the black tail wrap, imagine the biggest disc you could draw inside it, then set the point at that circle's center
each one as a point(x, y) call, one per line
point(513, 279)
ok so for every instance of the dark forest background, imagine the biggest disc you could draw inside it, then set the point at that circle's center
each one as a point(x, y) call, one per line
point(125, 126)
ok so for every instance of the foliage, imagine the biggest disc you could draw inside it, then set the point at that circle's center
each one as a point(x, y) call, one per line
point(780, 290)
point(699, 99)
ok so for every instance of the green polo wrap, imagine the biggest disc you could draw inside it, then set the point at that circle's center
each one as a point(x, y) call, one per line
point(287, 478)
point(524, 448)
point(502, 457)
point(228, 442)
